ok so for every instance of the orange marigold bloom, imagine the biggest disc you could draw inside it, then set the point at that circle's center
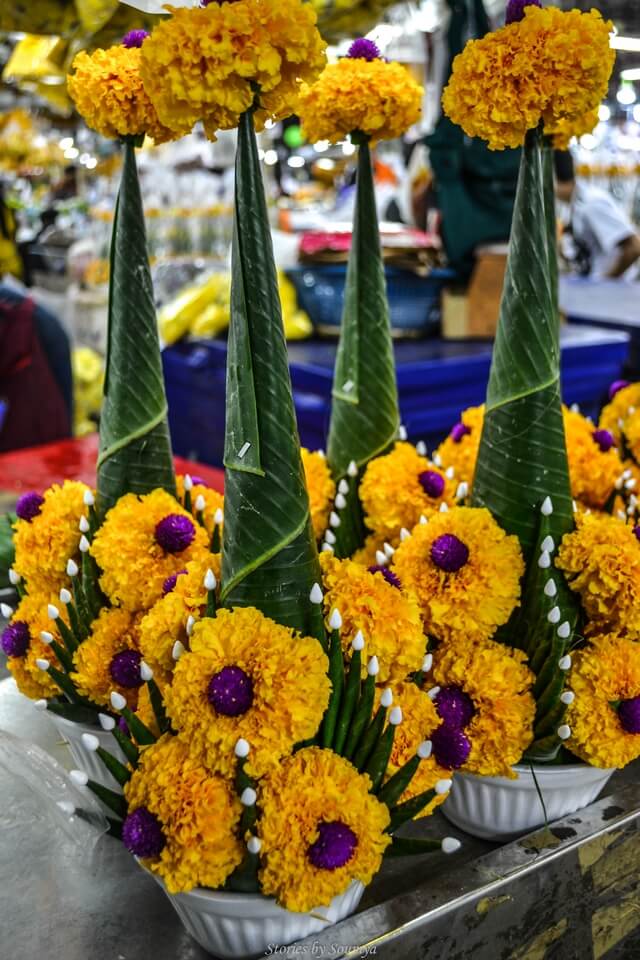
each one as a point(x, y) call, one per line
point(107, 90)
point(400, 487)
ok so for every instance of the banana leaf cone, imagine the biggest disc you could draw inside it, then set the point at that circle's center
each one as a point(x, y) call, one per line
point(522, 473)
point(365, 416)
point(269, 556)
point(135, 447)
point(522, 457)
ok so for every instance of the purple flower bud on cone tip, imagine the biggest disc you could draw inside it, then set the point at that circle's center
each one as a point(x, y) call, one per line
point(516, 8)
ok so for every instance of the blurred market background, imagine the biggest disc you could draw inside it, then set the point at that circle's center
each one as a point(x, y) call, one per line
point(444, 204)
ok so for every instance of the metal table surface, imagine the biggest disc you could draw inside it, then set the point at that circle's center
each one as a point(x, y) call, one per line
point(571, 893)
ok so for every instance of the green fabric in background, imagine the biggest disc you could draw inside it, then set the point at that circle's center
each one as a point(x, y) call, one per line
point(475, 187)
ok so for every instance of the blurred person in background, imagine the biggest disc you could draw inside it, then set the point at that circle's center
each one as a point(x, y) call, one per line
point(599, 239)
point(35, 373)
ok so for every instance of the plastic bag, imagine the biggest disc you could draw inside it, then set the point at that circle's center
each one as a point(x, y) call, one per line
point(69, 808)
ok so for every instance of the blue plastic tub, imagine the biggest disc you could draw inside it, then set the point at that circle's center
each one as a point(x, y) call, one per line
point(414, 301)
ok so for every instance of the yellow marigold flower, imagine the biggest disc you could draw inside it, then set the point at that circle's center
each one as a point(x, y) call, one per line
point(45, 543)
point(419, 721)
point(320, 829)
point(321, 487)
point(213, 501)
point(109, 659)
point(618, 415)
point(371, 97)
point(197, 812)
point(601, 559)
point(632, 434)
point(21, 642)
point(398, 488)
point(366, 555)
point(206, 63)
point(565, 130)
point(552, 66)
point(107, 90)
point(375, 603)
point(247, 676)
point(460, 449)
point(496, 685)
point(465, 572)
point(594, 462)
point(604, 717)
point(185, 596)
point(142, 542)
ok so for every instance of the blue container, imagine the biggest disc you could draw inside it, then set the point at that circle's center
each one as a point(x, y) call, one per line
point(414, 302)
point(436, 380)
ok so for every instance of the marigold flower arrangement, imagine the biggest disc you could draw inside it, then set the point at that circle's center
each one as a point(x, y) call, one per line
point(256, 698)
point(495, 536)
point(279, 715)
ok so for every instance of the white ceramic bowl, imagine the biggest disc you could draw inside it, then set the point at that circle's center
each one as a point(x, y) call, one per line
point(85, 759)
point(496, 808)
point(244, 925)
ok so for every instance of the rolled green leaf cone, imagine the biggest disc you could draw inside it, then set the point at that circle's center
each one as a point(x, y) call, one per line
point(522, 472)
point(135, 447)
point(269, 556)
point(522, 457)
point(365, 416)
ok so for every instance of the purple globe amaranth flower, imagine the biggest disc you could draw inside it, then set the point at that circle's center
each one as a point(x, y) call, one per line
point(135, 38)
point(125, 669)
point(170, 583)
point(142, 833)
point(199, 482)
point(636, 530)
point(15, 639)
point(604, 439)
point(389, 575)
point(123, 726)
point(175, 533)
point(516, 8)
point(629, 715)
point(449, 553)
point(432, 483)
point(334, 847)
point(455, 707)
point(616, 387)
point(459, 431)
point(29, 506)
point(451, 747)
point(363, 49)
point(230, 692)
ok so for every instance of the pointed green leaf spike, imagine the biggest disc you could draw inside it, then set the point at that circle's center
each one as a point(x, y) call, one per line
point(269, 557)
point(365, 417)
point(135, 448)
point(522, 457)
